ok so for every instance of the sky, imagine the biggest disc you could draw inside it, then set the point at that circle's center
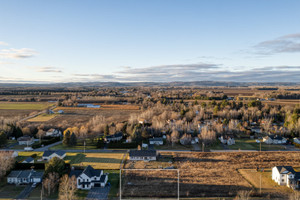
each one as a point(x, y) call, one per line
point(155, 40)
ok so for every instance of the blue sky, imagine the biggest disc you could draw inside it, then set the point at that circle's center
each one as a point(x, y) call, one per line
point(163, 40)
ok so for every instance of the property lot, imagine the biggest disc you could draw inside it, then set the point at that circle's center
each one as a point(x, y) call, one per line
point(248, 144)
point(218, 174)
point(96, 160)
point(42, 117)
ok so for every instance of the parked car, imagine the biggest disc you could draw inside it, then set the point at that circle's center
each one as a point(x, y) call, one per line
point(34, 185)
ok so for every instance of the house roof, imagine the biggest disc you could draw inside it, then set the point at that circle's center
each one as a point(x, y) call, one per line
point(37, 174)
point(28, 160)
point(102, 178)
point(156, 139)
point(276, 137)
point(119, 134)
point(285, 169)
point(14, 174)
point(90, 171)
point(25, 174)
point(49, 153)
point(25, 138)
point(75, 173)
point(133, 153)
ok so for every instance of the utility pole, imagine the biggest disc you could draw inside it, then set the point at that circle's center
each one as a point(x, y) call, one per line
point(84, 146)
point(260, 184)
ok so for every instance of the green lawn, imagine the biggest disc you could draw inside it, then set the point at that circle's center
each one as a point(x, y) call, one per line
point(113, 179)
point(96, 160)
point(10, 191)
point(89, 145)
point(24, 106)
point(250, 144)
point(174, 147)
point(23, 146)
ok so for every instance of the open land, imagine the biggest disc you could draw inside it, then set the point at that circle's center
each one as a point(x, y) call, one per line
point(220, 174)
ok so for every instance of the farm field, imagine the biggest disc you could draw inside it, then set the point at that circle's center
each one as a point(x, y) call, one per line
point(42, 118)
point(24, 106)
point(96, 160)
point(217, 174)
point(74, 116)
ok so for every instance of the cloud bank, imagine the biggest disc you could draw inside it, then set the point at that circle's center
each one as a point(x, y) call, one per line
point(285, 44)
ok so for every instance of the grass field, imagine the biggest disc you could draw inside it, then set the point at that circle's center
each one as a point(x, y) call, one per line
point(42, 118)
point(248, 144)
point(96, 160)
point(267, 184)
point(10, 191)
point(23, 106)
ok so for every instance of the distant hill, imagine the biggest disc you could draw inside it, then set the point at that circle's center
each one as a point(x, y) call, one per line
point(151, 84)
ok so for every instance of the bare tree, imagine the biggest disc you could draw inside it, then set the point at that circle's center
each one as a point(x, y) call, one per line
point(6, 162)
point(67, 188)
point(294, 196)
point(174, 136)
point(51, 182)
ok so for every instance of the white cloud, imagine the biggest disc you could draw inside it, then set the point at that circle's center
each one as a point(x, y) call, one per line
point(48, 69)
point(3, 43)
point(17, 53)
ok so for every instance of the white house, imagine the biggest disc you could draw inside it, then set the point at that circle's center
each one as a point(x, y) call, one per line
point(53, 132)
point(115, 137)
point(286, 175)
point(48, 155)
point(89, 178)
point(271, 139)
point(227, 140)
point(156, 141)
point(145, 155)
point(297, 140)
point(25, 140)
point(24, 177)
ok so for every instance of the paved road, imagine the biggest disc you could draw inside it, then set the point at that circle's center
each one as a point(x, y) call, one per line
point(25, 193)
point(98, 193)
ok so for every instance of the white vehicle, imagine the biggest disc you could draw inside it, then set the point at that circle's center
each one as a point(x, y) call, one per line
point(257, 141)
point(28, 149)
point(34, 185)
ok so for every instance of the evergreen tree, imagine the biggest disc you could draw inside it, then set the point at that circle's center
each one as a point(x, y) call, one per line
point(3, 139)
point(66, 140)
point(73, 140)
point(106, 130)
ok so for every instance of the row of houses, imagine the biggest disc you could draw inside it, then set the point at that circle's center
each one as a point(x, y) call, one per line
point(274, 139)
point(85, 179)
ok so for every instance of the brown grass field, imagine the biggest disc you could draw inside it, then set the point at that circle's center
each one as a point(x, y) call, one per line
point(74, 116)
point(219, 174)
